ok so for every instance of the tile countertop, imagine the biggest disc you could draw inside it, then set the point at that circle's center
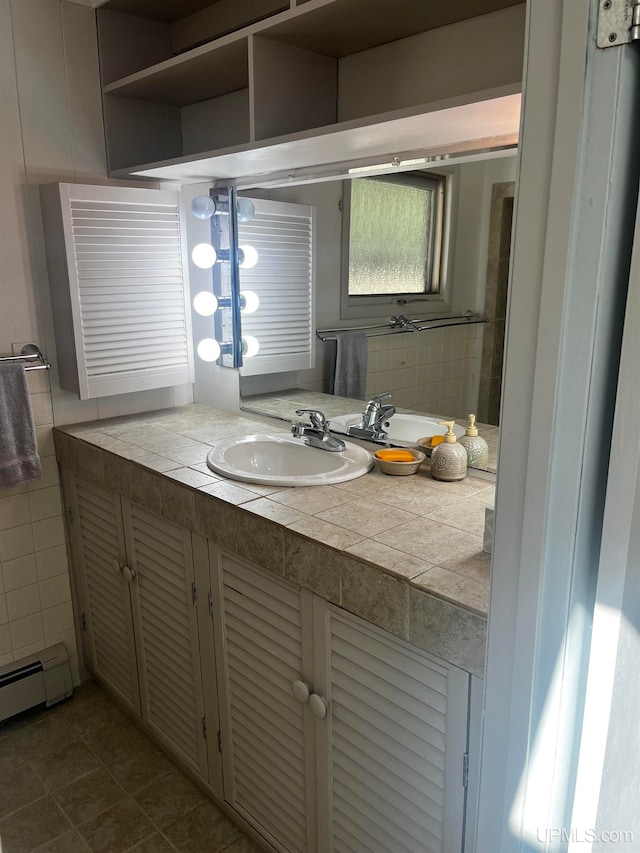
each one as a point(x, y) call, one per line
point(402, 552)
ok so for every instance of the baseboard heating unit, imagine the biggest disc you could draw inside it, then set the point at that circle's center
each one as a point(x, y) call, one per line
point(41, 678)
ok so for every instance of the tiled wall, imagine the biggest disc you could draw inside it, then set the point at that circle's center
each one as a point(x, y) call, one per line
point(35, 595)
point(432, 371)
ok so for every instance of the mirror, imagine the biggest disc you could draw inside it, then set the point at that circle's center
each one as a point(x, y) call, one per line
point(443, 372)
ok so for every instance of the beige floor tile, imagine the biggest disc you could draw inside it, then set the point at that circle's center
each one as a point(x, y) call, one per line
point(43, 738)
point(169, 798)
point(140, 767)
point(91, 712)
point(116, 829)
point(243, 845)
point(115, 740)
point(154, 844)
point(89, 796)
point(70, 842)
point(204, 830)
point(32, 826)
point(65, 765)
point(18, 788)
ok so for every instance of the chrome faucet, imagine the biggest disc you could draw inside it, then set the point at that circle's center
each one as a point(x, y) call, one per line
point(374, 419)
point(316, 432)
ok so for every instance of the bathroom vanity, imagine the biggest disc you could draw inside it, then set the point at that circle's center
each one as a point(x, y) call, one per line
point(319, 679)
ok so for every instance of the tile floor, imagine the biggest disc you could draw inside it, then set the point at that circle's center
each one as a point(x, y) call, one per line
point(82, 777)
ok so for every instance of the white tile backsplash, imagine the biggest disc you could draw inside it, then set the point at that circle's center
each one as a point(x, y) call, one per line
point(16, 542)
point(35, 594)
point(27, 632)
point(45, 503)
point(48, 533)
point(52, 562)
point(23, 602)
point(55, 590)
point(20, 572)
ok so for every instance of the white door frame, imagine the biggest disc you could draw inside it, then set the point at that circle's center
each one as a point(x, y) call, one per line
point(569, 275)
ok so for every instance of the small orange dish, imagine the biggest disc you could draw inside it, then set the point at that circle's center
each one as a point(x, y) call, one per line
point(398, 462)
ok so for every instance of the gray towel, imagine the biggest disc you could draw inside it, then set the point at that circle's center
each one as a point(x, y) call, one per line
point(351, 365)
point(19, 460)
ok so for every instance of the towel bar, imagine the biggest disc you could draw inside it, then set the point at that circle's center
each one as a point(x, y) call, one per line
point(31, 356)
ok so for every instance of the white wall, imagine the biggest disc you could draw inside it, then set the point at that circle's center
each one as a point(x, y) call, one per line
point(50, 130)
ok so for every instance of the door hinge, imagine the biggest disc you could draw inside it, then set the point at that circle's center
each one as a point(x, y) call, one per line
point(204, 728)
point(465, 770)
point(219, 741)
point(84, 622)
point(194, 594)
point(618, 22)
point(70, 514)
point(210, 599)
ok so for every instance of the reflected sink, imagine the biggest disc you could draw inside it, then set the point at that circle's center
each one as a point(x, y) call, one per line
point(402, 429)
point(283, 460)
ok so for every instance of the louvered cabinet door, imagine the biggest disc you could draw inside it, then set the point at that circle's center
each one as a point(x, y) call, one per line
point(160, 565)
point(394, 740)
point(97, 526)
point(267, 735)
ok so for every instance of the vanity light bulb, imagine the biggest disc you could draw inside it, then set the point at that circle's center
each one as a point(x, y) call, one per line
point(203, 207)
point(205, 303)
point(247, 257)
point(245, 209)
point(250, 346)
point(204, 256)
point(208, 349)
point(249, 301)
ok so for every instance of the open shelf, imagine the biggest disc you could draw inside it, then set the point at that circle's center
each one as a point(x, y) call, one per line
point(486, 120)
point(292, 71)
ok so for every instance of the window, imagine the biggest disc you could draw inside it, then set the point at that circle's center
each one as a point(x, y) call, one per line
point(394, 234)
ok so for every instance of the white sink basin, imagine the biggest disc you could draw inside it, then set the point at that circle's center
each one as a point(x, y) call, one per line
point(282, 460)
point(402, 429)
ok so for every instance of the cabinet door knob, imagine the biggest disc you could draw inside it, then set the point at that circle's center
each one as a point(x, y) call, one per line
point(301, 691)
point(117, 567)
point(318, 706)
point(129, 574)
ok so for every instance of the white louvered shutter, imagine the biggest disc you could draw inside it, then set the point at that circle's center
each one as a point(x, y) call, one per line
point(167, 632)
point(396, 738)
point(283, 278)
point(126, 309)
point(99, 540)
point(267, 734)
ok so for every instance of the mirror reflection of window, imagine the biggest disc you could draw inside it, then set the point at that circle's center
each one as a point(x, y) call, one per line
point(395, 236)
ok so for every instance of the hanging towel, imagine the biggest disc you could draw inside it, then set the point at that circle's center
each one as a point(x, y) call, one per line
point(351, 365)
point(19, 460)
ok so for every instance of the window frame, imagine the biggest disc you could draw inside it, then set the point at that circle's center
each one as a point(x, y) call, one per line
point(360, 307)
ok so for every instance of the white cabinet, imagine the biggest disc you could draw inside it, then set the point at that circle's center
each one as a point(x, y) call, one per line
point(137, 576)
point(333, 736)
point(336, 736)
point(117, 266)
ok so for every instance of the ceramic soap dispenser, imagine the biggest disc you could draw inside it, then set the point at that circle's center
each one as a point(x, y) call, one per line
point(476, 447)
point(449, 459)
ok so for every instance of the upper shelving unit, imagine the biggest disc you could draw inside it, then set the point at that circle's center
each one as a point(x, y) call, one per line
point(200, 81)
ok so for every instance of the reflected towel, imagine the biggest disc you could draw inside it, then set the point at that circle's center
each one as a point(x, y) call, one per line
point(19, 460)
point(350, 378)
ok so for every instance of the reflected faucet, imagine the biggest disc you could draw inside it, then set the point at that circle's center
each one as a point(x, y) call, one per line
point(316, 432)
point(374, 419)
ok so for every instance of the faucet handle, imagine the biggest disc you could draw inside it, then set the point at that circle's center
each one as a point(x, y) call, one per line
point(316, 418)
point(379, 397)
